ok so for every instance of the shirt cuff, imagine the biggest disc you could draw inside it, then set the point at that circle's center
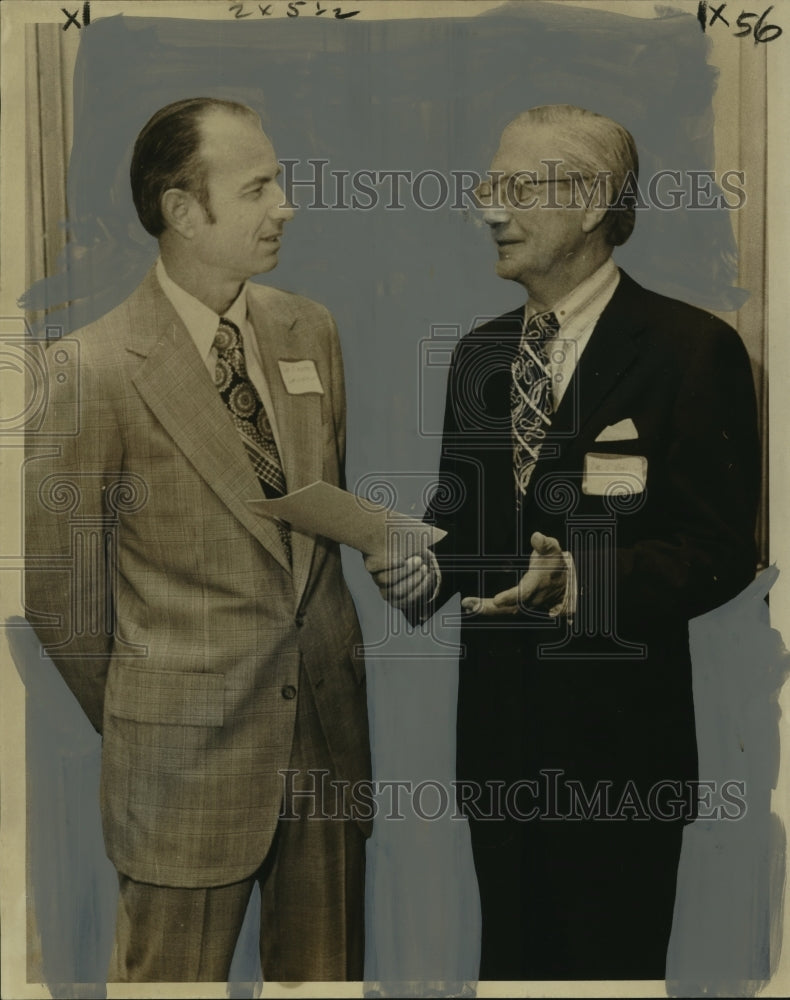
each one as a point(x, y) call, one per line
point(422, 612)
point(567, 606)
point(434, 568)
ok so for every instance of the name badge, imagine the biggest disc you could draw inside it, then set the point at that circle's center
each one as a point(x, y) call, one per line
point(300, 377)
point(613, 475)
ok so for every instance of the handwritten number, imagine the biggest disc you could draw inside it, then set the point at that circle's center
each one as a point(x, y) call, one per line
point(238, 11)
point(747, 28)
point(761, 30)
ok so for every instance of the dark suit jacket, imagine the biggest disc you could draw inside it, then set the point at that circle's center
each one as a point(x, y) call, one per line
point(166, 600)
point(677, 541)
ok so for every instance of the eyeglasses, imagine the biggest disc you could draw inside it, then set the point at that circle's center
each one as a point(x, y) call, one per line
point(520, 190)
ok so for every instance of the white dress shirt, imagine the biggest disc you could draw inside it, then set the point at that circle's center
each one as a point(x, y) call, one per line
point(577, 313)
point(203, 323)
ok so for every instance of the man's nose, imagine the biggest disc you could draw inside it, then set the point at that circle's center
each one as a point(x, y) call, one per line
point(496, 215)
point(282, 207)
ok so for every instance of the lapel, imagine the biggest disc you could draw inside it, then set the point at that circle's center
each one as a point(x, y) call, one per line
point(283, 334)
point(174, 383)
point(610, 352)
point(495, 346)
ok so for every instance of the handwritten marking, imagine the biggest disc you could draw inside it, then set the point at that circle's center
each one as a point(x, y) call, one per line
point(71, 19)
point(760, 31)
point(292, 10)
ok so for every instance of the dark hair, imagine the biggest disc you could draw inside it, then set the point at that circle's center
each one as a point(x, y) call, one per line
point(167, 155)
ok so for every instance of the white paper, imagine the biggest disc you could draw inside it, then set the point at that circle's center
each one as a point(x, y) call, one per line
point(613, 475)
point(323, 509)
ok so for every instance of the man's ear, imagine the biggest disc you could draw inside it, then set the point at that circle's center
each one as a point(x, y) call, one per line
point(593, 217)
point(597, 210)
point(178, 208)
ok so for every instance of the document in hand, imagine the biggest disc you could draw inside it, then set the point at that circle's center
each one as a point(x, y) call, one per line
point(323, 509)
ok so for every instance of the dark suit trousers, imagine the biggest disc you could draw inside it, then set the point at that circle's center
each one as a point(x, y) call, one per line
point(312, 899)
point(576, 899)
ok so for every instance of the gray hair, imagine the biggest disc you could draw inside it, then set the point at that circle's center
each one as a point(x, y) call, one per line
point(594, 146)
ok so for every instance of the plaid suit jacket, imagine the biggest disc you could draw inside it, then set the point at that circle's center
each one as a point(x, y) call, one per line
point(164, 598)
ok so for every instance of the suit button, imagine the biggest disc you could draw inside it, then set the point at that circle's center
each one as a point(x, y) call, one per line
point(288, 691)
point(299, 620)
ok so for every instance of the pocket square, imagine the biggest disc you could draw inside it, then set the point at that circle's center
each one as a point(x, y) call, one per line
point(613, 475)
point(623, 430)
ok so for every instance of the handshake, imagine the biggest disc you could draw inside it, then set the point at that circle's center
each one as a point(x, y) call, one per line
point(409, 584)
point(412, 582)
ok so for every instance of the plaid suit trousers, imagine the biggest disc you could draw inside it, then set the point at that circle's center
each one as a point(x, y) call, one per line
point(312, 892)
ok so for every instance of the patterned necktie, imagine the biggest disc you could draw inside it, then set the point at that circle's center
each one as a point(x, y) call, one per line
point(249, 415)
point(531, 402)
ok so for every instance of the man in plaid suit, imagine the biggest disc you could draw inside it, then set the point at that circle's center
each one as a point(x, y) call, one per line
point(212, 647)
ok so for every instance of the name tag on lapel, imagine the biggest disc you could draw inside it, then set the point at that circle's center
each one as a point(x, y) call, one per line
point(612, 475)
point(300, 377)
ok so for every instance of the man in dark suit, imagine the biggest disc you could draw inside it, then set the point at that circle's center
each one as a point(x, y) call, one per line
point(599, 480)
point(213, 648)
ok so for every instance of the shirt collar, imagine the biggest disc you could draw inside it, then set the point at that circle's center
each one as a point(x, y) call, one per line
point(576, 310)
point(200, 321)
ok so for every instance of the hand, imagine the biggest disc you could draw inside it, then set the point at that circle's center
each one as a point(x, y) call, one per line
point(542, 586)
point(407, 582)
